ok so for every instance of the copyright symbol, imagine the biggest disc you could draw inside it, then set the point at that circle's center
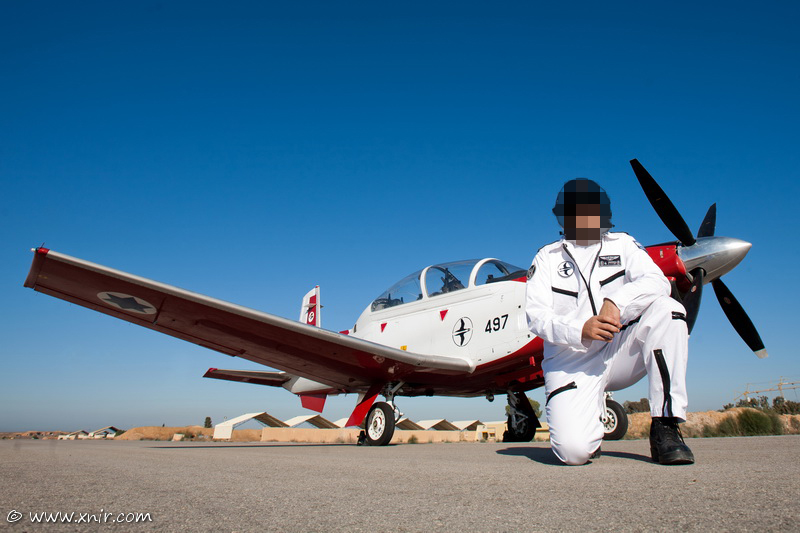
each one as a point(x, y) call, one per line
point(13, 516)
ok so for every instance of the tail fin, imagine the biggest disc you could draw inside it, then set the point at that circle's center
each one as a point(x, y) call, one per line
point(310, 310)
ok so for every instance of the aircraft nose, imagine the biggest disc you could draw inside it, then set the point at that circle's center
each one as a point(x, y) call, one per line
point(715, 255)
point(741, 246)
point(736, 249)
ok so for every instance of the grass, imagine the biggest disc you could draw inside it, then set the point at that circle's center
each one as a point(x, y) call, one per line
point(735, 423)
point(748, 422)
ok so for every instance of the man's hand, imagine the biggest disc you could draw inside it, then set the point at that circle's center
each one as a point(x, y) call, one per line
point(610, 311)
point(605, 325)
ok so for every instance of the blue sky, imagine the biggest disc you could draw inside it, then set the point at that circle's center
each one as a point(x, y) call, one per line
point(251, 152)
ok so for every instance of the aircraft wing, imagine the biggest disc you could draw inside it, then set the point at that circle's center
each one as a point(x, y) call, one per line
point(334, 359)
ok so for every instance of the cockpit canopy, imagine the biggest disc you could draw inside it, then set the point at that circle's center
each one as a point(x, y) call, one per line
point(445, 278)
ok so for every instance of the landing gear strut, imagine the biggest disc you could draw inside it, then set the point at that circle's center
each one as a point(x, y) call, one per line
point(381, 419)
point(522, 419)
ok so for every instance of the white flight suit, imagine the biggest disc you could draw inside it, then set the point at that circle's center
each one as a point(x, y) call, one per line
point(653, 341)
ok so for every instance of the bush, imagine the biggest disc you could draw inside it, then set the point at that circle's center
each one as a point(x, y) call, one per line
point(413, 439)
point(748, 422)
point(728, 427)
point(759, 423)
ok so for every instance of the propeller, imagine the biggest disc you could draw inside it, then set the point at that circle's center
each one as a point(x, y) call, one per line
point(738, 318)
point(666, 211)
point(691, 301)
point(712, 245)
point(709, 223)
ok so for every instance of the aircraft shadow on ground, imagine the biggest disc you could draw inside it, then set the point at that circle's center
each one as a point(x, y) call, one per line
point(545, 455)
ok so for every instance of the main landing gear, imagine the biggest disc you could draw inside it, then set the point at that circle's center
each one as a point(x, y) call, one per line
point(381, 419)
point(522, 419)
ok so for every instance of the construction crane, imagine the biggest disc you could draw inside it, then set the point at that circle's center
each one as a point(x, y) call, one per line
point(780, 387)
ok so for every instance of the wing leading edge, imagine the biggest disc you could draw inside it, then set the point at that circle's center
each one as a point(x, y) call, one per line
point(340, 361)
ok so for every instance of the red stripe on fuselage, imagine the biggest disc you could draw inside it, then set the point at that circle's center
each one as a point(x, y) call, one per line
point(518, 371)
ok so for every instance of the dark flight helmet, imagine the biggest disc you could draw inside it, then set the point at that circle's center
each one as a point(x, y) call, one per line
point(581, 191)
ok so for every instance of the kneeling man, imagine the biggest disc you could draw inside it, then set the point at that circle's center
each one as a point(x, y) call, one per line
point(603, 309)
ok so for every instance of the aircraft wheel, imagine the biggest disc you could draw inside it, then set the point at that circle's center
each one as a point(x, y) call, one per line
point(380, 424)
point(616, 424)
point(524, 432)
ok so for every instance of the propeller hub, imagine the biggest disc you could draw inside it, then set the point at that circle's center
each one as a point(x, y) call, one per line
point(715, 255)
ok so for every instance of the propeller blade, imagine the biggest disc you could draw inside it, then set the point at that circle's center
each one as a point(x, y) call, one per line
point(709, 223)
point(738, 318)
point(692, 299)
point(667, 212)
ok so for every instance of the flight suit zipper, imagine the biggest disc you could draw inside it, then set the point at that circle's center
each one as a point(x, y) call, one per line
point(588, 288)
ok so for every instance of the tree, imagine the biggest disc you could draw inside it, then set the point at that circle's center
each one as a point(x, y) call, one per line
point(642, 406)
point(782, 406)
point(762, 403)
point(207, 423)
point(536, 406)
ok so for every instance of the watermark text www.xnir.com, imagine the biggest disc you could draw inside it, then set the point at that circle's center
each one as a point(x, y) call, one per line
point(60, 517)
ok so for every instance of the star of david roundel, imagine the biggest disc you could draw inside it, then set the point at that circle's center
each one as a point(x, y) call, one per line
point(126, 302)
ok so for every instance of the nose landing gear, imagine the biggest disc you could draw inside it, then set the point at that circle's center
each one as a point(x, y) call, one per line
point(381, 419)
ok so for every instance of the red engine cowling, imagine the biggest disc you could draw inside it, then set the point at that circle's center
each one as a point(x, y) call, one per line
point(666, 257)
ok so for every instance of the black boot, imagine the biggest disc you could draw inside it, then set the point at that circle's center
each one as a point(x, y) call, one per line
point(666, 443)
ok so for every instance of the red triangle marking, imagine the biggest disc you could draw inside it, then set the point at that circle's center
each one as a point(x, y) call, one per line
point(443, 313)
point(383, 327)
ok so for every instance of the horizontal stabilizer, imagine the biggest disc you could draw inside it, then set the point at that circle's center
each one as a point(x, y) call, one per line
point(272, 379)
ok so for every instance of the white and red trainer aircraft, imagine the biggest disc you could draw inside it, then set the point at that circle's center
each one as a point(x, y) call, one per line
point(454, 329)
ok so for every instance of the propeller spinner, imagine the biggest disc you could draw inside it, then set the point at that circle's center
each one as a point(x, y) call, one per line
point(707, 258)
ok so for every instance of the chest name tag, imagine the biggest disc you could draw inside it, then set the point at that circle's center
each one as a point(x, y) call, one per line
point(610, 260)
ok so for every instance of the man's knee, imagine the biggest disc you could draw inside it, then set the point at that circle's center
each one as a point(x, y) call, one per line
point(667, 305)
point(572, 453)
point(665, 312)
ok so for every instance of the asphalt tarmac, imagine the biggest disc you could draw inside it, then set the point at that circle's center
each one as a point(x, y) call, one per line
point(737, 484)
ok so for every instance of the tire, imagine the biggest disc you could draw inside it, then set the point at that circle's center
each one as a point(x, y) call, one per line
point(617, 424)
point(524, 433)
point(379, 425)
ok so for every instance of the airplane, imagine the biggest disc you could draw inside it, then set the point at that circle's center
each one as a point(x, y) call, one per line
point(454, 329)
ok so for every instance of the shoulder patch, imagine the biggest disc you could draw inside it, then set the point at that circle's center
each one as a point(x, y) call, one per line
point(531, 271)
